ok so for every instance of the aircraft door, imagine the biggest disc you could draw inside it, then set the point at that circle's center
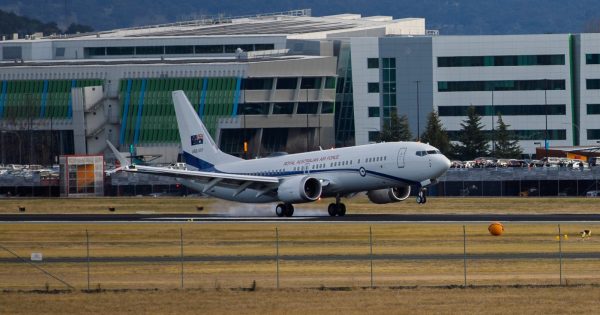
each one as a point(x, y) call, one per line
point(401, 154)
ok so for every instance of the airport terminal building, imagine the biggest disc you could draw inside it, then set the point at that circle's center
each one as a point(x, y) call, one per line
point(288, 82)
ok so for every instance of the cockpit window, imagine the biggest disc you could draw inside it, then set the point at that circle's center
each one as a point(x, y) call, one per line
point(433, 152)
point(421, 153)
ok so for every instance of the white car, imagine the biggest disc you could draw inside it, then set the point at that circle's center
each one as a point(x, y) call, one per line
point(593, 193)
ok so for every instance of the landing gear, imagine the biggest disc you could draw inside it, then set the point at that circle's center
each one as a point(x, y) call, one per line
point(421, 198)
point(336, 208)
point(284, 209)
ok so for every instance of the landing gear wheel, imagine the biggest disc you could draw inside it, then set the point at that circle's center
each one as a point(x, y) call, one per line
point(421, 198)
point(280, 210)
point(289, 210)
point(341, 210)
point(332, 209)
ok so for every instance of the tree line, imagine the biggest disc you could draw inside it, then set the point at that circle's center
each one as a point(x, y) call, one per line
point(11, 23)
point(472, 141)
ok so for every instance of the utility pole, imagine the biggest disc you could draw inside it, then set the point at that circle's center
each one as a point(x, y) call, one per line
point(418, 114)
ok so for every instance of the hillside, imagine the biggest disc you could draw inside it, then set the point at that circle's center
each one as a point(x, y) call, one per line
point(449, 16)
point(11, 23)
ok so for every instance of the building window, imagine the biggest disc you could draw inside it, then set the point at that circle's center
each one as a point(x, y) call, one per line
point(119, 51)
point(553, 134)
point(253, 109)
point(149, 50)
point(283, 108)
point(287, 83)
point(60, 52)
point(257, 84)
point(95, 51)
point(208, 49)
point(499, 61)
point(373, 87)
point(179, 50)
point(12, 52)
point(373, 63)
point(593, 109)
point(230, 49)
point(505, 110)
point(258, 47)
point(308, 108)
point(593, 134)
point(327, 107)
point(310, 83)
point(373, 111)
point(330, 83)
point(592, 59)
point(592, 84)
point(506, 85)
point(373, 136)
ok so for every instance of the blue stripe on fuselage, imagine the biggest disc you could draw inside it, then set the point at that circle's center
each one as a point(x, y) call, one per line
point(208, 167)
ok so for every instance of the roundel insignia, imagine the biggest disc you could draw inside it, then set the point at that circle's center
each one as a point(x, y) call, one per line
point(362, 172)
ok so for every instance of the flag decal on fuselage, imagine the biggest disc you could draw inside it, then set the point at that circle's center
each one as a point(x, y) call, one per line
point(197, 139)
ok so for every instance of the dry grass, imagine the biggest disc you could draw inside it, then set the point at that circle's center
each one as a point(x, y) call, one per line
point(487, 300)
point(357, 205)
point(239, 240)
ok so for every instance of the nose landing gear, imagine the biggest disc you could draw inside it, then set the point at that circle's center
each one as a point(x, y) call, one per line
point(421, 198)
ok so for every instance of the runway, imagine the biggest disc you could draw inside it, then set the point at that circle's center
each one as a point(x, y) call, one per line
point(353, 218)
point(324, 257)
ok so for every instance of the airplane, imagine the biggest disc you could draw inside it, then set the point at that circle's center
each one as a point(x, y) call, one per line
point(385, 171)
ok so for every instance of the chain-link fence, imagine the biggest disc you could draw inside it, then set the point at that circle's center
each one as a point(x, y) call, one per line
point(214, 256)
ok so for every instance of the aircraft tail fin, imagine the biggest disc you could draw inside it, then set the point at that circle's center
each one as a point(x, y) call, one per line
point(199, 149)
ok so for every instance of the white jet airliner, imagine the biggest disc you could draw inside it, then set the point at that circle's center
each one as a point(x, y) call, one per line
point(385, 171)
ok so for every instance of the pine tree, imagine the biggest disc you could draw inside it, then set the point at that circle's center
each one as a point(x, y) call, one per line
point(506, 145)
point(435, 134)
point(473, 142)
point(396, 130)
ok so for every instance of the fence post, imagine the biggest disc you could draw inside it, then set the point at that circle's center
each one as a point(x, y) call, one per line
point(181, 253)
point(371, 253)
point(277, 253)
point(87, 241)
point(560, 255)
point(465, 254)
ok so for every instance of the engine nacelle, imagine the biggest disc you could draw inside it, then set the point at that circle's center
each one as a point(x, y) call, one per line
point(389, 195)
point(299, 189)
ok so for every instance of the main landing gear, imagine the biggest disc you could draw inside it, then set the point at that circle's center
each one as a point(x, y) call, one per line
point(284, 209)
point(421, 198)
point(337, 208)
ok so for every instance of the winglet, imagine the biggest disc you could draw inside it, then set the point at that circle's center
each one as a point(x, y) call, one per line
point(118, 155)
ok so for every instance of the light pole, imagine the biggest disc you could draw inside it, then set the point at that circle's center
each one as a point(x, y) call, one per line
point(546, 114)
point(20, 144)
point(418, 114)
point(493, 130)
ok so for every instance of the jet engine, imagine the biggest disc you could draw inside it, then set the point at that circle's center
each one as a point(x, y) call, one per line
point(299, 189)
point(389, 195)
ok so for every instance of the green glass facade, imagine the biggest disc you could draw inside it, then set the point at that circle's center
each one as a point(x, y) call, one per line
point(505, 110)
point(499, 61)
point(504, 85)
point(20, 99)
point(148, 114)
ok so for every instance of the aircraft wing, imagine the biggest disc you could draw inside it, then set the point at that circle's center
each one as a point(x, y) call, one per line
point(209, 180)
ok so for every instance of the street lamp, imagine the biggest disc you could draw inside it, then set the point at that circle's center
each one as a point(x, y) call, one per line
point(546, 114)
point(493, 130)
point(4, 148)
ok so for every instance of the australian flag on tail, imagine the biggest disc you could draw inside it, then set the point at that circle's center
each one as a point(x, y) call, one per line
point(197, 139)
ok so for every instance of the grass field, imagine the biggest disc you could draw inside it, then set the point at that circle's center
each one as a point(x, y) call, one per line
point(482, 300)
point(221, 286)
point(359, 204)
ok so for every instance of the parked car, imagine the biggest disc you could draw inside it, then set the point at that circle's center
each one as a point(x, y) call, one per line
point(593, 193)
